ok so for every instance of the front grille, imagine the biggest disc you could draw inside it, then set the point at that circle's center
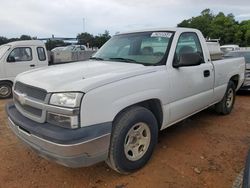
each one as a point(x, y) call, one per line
point(31, 91)
point(30, 101)
point(29, 109)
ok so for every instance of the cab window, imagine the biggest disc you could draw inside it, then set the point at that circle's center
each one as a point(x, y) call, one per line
point(20, 54)
point(41, 54)
point(188, 43)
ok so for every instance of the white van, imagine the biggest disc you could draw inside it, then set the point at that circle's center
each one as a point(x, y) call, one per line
point(17, 57)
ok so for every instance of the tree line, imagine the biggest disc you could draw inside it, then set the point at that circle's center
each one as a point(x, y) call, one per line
point(4, 40)
point(220, 26)
point(82, 39)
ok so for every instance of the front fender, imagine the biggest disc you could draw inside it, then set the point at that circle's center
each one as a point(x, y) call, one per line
point(104, 103)
point(101, 106)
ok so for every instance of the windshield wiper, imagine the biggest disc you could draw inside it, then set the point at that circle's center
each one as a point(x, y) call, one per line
point(124, 59)
point(127, 60)
point(97, 58)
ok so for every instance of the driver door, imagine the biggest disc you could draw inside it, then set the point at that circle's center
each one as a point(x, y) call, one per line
point(191, 86)
point(19, 60)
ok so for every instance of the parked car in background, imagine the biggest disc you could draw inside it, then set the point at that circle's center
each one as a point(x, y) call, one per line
point(112, 107)
point(18, 57)
point(230, 47)
point(246, 55)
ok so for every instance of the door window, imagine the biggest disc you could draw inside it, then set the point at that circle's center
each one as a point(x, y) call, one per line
point(41, 54)
point(20, 54)
point(188, 43)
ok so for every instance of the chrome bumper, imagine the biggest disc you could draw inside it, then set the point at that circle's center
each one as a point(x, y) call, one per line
point(71, 155)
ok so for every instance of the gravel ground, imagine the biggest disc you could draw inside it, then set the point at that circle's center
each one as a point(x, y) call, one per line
point(205, 150)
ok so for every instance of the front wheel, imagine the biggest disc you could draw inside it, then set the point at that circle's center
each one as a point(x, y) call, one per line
point(134, 136)
point(5, 90)
point(225, 106)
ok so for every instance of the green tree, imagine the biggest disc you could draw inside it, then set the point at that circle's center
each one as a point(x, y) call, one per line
point(220, 26)
point(85, 38)
point(25, 37)
point(101, 39)
point(201, 22)
point(245, 29)
point(50, 44)
point(13, 39)
point(93, 41)
point(225, 28)
point(3, 40)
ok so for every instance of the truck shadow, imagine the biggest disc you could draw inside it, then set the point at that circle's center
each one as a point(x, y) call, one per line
point(195, 121)
point(243, 93)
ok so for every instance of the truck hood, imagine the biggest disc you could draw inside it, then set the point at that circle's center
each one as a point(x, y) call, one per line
point(82, 76)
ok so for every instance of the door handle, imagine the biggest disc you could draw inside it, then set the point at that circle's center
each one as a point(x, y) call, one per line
point(206, 73)
point(32, 65)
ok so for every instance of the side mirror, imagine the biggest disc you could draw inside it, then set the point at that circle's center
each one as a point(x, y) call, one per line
point(11, 59)
point(188, 59)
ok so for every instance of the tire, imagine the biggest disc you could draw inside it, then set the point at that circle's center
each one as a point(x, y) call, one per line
point(5, 90)
point(238, 182)
point(225, 106)
point(133, 139)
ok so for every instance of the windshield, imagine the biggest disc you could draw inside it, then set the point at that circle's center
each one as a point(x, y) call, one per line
point(148, 48)
point(3, 50)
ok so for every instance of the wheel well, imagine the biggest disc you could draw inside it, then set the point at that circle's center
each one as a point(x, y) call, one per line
point(154, 105)
point(6, 81)
point(235, 80)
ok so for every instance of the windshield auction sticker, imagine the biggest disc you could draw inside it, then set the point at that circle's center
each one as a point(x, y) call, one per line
point(161, 34)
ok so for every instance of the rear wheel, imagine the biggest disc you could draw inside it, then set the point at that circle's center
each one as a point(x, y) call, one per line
point(225, 106)
point(133, 139)
point(5, 90)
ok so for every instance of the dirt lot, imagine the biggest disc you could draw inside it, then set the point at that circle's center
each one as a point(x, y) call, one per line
point(205, 150)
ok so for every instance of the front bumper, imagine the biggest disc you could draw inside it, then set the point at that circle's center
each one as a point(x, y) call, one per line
point(71, 148)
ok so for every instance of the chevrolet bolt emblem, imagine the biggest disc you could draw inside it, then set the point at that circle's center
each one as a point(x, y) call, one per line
point(21, 98)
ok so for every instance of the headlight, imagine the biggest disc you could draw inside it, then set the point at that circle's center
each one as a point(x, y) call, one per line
point(72, 99)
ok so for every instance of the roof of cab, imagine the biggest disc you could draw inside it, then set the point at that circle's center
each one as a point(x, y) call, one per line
point(27, 43)
point(173, 29)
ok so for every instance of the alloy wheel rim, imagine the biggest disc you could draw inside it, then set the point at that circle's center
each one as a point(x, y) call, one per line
point(230, 98)
point(4, 91)
point(137, 141)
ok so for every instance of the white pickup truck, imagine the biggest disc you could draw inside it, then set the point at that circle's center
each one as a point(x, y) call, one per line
point(112, 107)
point(17, 57)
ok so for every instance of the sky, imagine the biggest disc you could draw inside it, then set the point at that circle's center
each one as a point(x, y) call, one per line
point(67, 18)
